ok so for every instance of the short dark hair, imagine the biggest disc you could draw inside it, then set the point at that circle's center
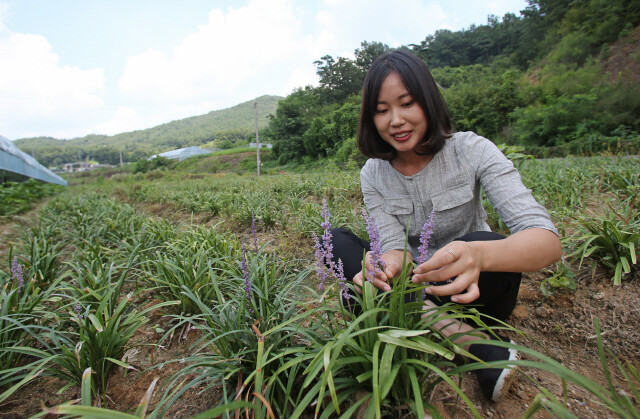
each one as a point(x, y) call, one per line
point(423, 89)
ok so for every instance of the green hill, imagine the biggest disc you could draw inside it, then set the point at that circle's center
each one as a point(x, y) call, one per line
point(217, 129)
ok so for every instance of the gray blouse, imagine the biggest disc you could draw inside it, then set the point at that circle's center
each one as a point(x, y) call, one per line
point(451, 183)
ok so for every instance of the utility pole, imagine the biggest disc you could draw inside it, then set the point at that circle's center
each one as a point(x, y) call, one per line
point(121, 159)
point(255, 107)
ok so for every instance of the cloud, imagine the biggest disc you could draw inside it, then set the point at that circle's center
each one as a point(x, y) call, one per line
point(345, 24)
point(4, 12)
point(35, 88)
point(300, 77)
point(125, 118)
point(222, 60)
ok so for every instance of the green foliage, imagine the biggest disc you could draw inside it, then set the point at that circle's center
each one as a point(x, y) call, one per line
point(349, 153)
point(556, 120)
point(24, 321)
point(343, 77)
point(103, 332)
point(387, 352)
point(480, 99)
point(293, 117)
point(562, 277)
point(327, 133)
point(612, 240)
point(622, 141)
point(190, 261)
point(144, 165)
point(16, 198)
point(515, 153)
point(574, 48)
point(338, 78)
point(248, 343)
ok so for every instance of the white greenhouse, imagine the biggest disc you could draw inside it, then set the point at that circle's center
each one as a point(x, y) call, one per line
point(182, 153)
point(12, 159)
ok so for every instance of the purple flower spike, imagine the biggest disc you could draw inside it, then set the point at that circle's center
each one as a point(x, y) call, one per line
point(423, 249)
point(16, 273)
point(425, 237)
point(342, 280)
point(327, 245)
point(376, 250)
point(78, 309)
point(253, 231)
point(321, 269)
point(245, 274)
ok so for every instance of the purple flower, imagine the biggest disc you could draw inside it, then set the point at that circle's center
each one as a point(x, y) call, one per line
point(321, 268)
point(245, 274)
point(327, 238)
point(425, 237)
point(16, 273)
point(253, 231)
point(324, 251)
point(78, 309)
point(342, 281)
point(376, 250)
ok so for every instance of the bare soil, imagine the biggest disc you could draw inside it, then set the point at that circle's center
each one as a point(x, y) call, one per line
point(560, 326)
point(622, 62)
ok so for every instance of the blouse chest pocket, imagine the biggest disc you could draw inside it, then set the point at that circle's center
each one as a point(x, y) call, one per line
point(401, 208)
point(454, 209)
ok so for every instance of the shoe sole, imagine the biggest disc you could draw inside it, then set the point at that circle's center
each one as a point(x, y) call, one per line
point(506, 377)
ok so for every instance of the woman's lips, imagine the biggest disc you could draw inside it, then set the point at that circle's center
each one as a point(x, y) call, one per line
point(401, 136)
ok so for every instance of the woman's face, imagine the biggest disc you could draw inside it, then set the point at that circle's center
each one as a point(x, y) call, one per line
point(399, 119)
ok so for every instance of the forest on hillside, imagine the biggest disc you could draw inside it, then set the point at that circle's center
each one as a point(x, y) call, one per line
point(215, 130)
point(561, 78)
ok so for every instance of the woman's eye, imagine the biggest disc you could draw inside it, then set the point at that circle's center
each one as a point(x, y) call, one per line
point(381, 110)
point(408, 104)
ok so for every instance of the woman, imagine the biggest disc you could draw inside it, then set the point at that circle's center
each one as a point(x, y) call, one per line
point(417, 165)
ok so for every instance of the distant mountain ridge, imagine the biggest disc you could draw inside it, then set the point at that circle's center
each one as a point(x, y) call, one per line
point(234, 124)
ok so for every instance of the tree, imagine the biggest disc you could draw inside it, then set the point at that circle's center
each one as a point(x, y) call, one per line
point(368, 53)
point(338, 78)
point(327, 133)
point(293, 117)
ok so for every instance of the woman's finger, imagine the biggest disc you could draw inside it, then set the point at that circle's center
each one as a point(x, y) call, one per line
point(472, 294)
point(439, 275)
point(378, 283)
point(392, 269)
point(443, 257)
point(459, 285)
point(358, 281)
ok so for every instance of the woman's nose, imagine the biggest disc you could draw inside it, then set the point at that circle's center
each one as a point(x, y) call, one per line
point(396, 117)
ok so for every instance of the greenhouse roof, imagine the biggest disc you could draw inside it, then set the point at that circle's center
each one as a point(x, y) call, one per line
point(12, 159)
point(182, 153)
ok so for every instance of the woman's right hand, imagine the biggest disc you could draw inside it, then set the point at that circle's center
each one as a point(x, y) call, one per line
point(392, 261)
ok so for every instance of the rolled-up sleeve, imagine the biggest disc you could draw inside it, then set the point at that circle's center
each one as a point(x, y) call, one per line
point(501, 181)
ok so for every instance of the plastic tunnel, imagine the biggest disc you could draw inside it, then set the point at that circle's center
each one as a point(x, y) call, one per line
point(12, 159)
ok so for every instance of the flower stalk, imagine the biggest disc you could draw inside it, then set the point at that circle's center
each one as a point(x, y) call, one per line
point(17, 274)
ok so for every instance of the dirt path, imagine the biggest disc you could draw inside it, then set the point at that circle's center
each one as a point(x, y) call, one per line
point(11, 227)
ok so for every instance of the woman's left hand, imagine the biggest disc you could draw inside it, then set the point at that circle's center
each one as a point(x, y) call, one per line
point(457, 259)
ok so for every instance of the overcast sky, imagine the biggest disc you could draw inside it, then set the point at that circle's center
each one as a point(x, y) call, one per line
point(69, 68)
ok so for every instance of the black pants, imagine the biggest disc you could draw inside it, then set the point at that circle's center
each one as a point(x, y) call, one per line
point(498, 290)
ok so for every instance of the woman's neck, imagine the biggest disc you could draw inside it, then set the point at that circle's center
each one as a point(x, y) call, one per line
point(409, 164)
